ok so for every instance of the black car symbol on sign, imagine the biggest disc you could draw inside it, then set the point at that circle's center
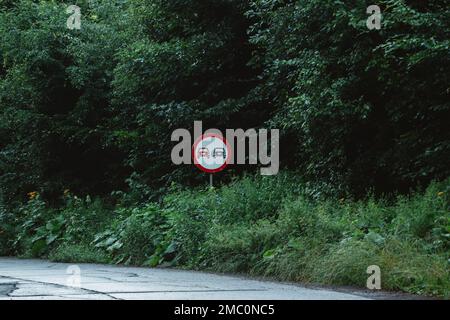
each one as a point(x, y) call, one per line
point(219, 152)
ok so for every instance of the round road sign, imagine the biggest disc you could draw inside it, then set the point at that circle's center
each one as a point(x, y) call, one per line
point(211, 153)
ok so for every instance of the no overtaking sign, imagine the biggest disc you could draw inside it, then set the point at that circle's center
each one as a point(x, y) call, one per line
point(211, 153)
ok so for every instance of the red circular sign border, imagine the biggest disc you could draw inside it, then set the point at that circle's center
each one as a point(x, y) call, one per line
point(202, 137)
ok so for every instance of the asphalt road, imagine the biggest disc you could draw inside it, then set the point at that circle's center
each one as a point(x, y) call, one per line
point(39, 279)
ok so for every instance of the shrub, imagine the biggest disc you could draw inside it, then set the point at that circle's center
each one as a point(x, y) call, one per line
point(192, 214)
point(84, 218)
point(137, 238)
point(300, 238)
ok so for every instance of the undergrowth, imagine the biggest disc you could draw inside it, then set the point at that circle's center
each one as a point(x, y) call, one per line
point(264, 226)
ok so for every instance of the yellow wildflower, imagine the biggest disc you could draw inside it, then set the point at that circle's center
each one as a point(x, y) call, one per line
point(32, 195)
point(440, 194)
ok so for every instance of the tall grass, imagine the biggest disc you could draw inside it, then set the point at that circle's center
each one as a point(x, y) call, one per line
point(286, 233)
point(267, 226)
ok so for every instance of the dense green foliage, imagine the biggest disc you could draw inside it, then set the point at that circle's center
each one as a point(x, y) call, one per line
point(93, 108)
point(367, 108)
point(91, 111)
point(271, 227)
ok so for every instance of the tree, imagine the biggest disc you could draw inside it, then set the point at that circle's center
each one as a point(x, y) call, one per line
point(54, 100)
point(366, 108)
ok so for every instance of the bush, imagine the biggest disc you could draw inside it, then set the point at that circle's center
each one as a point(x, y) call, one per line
point(194, 213)
point(41, 228)
point(137, 237)
point(300, 238)
point(84, 218)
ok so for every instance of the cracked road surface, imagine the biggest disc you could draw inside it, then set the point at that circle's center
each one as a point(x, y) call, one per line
point(39, 279)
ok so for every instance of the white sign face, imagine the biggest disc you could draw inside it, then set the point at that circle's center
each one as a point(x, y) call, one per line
point(211, 153)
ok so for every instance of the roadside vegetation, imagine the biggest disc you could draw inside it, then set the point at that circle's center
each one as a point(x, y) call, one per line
point(86, 118)
point(274, 227)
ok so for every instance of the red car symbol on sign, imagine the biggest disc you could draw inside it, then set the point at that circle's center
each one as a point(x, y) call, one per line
point(203, 153)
